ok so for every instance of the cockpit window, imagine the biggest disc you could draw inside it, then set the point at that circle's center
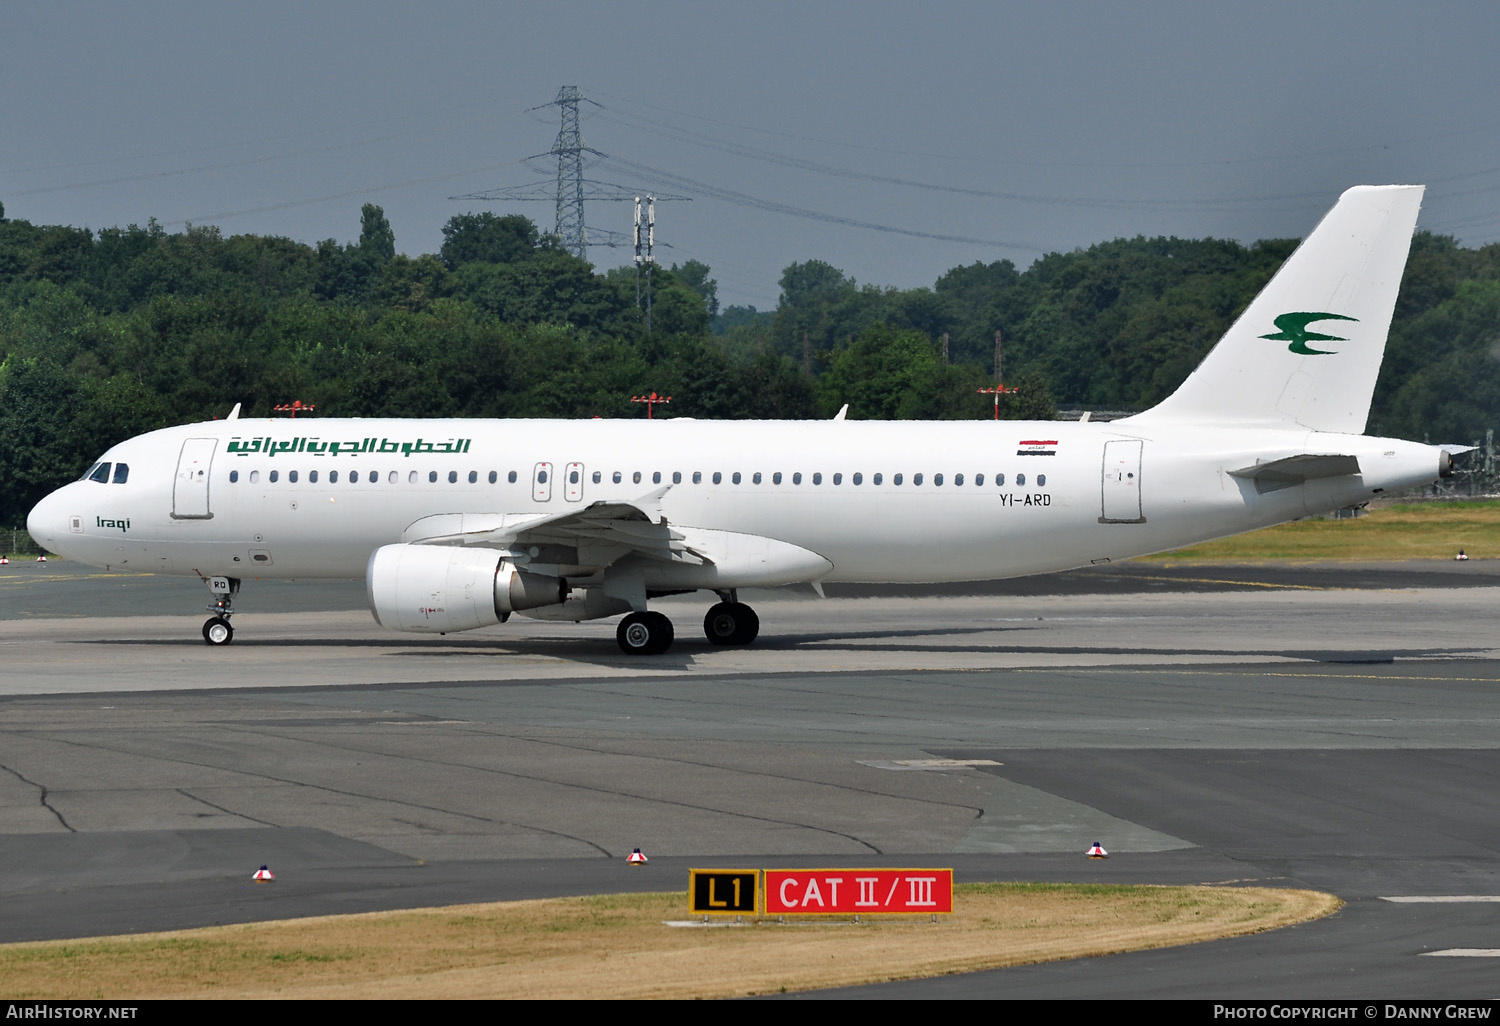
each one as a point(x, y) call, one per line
point(122, 471)
point(100, 473)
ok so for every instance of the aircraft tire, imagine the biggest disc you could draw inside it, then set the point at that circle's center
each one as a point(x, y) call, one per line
point(645, 634)
point(731, 623)
point(216, 631)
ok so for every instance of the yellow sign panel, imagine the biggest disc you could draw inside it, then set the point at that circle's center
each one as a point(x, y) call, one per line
point(724, 892)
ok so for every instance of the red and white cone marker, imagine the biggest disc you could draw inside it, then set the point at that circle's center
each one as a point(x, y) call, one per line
point(41, 559)
point(263, 875)
point(636, 858)
point(4, 560)
point(1098, 852)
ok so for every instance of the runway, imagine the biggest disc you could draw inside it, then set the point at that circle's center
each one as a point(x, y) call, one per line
point(1332, 727)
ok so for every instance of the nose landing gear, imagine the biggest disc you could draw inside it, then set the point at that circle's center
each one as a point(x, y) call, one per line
point(216, 629)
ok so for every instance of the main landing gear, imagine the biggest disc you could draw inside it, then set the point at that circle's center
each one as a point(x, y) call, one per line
point(216, 629)
point(729, 622)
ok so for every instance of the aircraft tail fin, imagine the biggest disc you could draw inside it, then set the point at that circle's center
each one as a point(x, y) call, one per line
point(1307, 349)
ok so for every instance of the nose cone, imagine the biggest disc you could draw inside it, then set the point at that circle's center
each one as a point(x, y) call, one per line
point(47, 523)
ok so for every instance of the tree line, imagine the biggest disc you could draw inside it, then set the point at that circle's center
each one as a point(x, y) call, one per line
point(107, 334)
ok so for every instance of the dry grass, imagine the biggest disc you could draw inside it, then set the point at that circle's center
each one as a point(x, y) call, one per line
point(1429, 530)
point(618, 947)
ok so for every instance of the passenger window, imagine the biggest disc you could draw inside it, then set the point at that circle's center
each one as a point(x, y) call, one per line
point(718, 477)
point(859, 479)
point(254, 476)
point(838, 479)
point(410, 478)
point(333, 476)
point(598, 477)
point(677, 477)
point(1020, 480)
point(274, 475)
point(656, 477)
point(978, 480)
point(636, 477)
point(818, 478)
point(511, 477)
point(896, 480)
point(756, 478)
point(797, 477)
point(736, 478)
point(697, 477)
point(937, 480)
point(474, 477)
point(354, 477)
point(776, 477)
point(1041, 480)
point(916, 479)
point(879, 478)
point(393, 477)
point(312, 476)
point(234, 475)
point(453, 476)
point(616, 477)
point(100, 474)
point(958, 479)
point(999, 480)
point(494, 477)
point(122, 471)
point(291, 476)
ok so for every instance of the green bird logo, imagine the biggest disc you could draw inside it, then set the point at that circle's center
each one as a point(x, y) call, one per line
point(1294, 330)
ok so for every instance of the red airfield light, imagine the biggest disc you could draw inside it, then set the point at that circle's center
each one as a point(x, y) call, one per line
point(651, 401)
point(998, 391)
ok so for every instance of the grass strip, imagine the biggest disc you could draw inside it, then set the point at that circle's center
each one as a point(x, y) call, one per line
point(1427, 530)
point(618, 946)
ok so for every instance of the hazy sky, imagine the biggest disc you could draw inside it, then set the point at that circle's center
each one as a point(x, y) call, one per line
point(1022, 128)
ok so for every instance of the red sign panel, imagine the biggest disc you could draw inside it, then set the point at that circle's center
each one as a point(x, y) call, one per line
point(859, 891)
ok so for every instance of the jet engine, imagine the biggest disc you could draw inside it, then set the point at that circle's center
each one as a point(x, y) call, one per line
point(440, 589)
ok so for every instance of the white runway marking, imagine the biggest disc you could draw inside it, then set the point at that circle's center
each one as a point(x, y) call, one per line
point(1439, 899)
point(1465, 953)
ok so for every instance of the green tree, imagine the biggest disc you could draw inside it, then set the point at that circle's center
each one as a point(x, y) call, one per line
point(889, 374)
point(694, 274)
point(376, 239)
point(488, 238)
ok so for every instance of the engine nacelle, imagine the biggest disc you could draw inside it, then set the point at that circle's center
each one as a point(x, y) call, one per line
point(440, 589)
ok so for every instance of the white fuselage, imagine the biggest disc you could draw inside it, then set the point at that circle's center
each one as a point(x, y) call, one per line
point(878, 501)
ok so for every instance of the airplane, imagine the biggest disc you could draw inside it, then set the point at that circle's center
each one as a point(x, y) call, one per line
point(457, 524)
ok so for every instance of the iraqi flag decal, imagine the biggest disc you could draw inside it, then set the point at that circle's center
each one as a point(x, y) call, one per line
point(1037, 448)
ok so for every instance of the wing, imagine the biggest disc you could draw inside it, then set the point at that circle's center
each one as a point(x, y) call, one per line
point(626, 548)
point(596, 535)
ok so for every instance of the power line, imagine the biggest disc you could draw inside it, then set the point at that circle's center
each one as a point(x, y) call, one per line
point(744, 199)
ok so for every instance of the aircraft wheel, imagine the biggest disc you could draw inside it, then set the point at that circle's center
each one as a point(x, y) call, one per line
point(731, 623)
point(645, 634)
point(216, 631)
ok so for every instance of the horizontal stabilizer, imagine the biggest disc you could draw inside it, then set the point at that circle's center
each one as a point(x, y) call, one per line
point(1293, 470)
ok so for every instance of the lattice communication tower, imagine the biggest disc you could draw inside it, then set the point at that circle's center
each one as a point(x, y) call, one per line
point(572, 188)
